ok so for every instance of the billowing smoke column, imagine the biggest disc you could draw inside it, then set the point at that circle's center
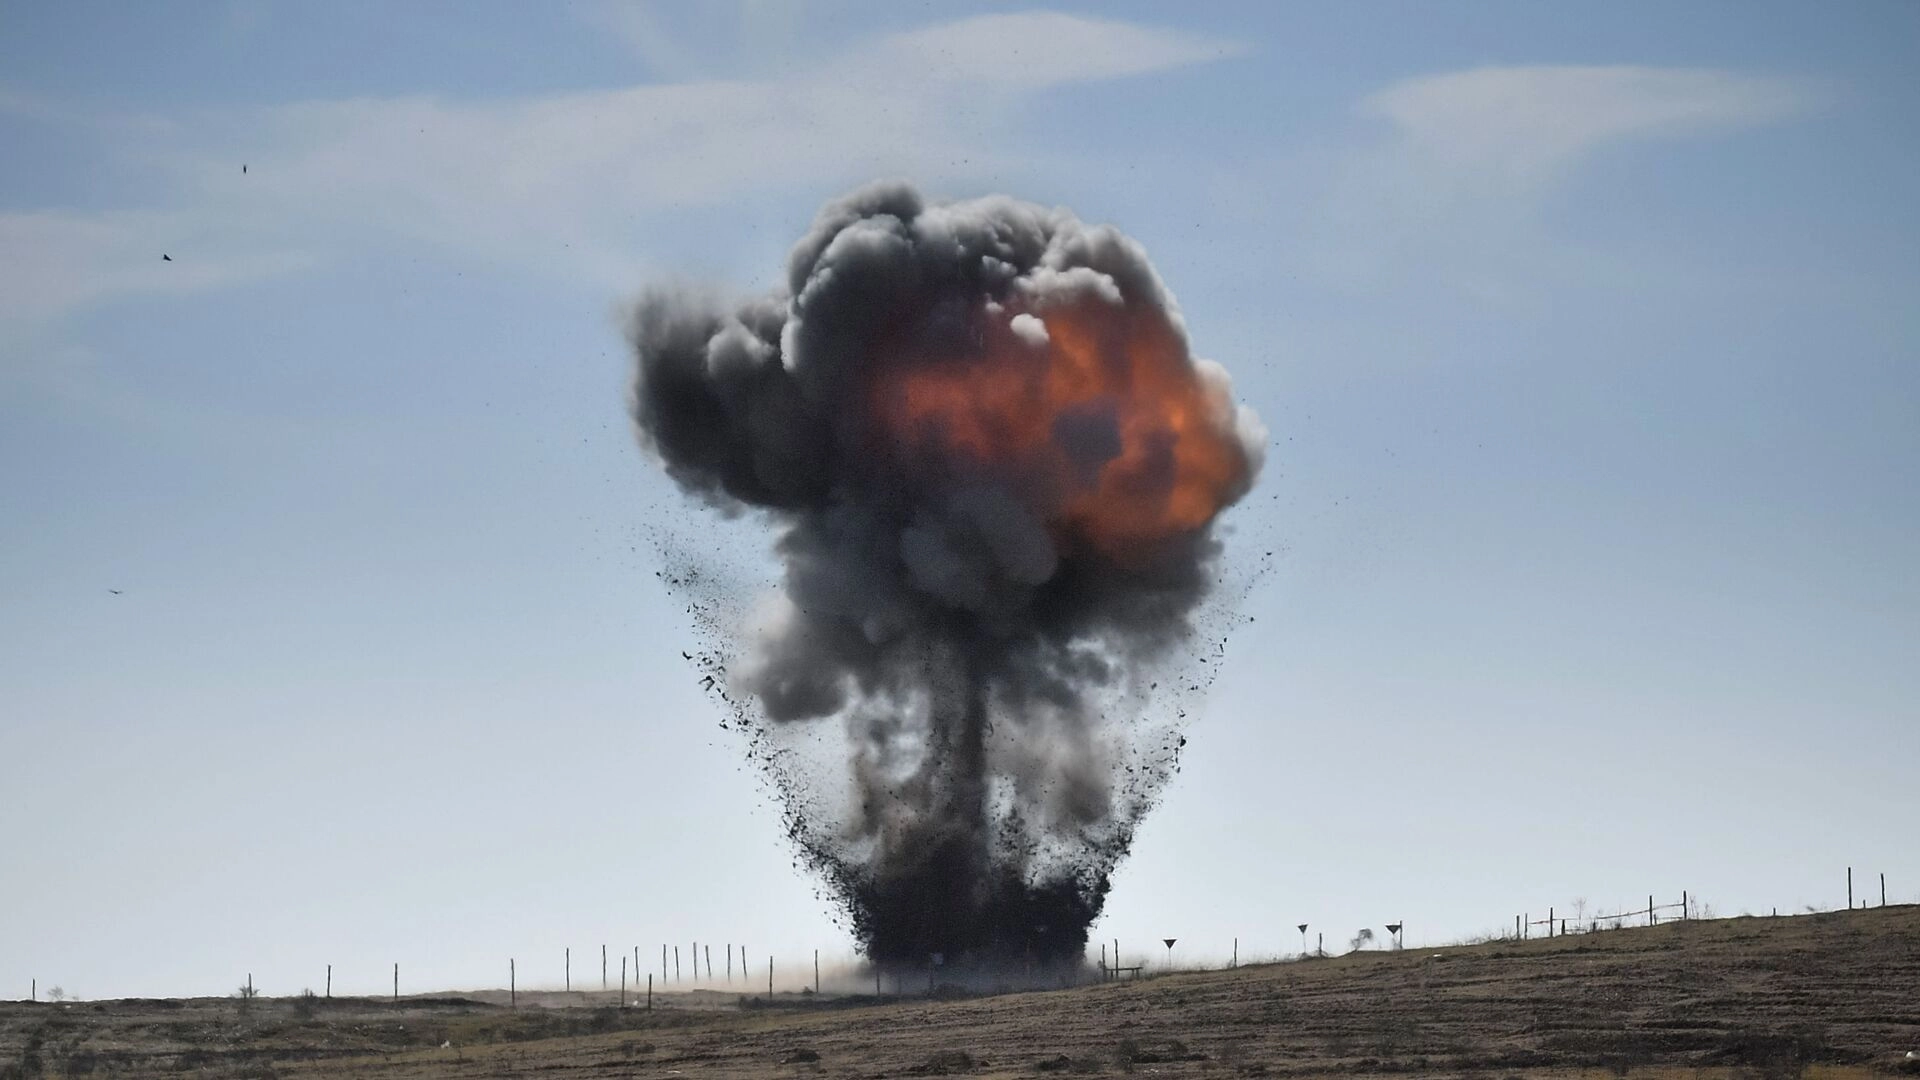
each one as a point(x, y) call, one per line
point(995, 469)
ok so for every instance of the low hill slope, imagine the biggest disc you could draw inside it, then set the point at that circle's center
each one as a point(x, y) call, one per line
point(1835, 995)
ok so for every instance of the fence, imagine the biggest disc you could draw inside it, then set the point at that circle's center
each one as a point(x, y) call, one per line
point(1583, 923)
point(1554, 924)
point(1688, 908)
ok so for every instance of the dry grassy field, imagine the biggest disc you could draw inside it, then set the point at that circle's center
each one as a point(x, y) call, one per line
point(1834, 995)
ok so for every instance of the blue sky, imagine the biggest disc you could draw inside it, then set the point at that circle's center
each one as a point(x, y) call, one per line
point(1585, 334)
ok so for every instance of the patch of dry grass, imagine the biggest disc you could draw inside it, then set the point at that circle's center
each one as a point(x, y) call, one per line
point(1833, 996)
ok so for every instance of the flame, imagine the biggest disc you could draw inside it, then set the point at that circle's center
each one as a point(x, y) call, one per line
point(1129, 443)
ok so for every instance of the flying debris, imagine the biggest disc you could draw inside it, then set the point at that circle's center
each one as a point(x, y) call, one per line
point(994, 468)
point(115, 592)
point(164, 257)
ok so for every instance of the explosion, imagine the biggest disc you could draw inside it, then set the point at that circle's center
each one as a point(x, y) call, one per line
point(995, 470)
point(1098, 408)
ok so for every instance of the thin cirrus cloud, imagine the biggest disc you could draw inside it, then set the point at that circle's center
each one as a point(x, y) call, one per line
point(1447, 178)
point(1520, 127)
point(75, 259)
point(553, 182)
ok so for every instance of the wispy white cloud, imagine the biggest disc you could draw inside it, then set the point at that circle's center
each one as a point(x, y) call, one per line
point(1449, 176)
point(552, 182)
point(57, 262)
point(1519, 127)
point(1038, 49)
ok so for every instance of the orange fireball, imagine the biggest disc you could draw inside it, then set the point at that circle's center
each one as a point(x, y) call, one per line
point(1098, 409)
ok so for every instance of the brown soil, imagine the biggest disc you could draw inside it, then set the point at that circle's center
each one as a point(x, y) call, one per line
point(1833, 995)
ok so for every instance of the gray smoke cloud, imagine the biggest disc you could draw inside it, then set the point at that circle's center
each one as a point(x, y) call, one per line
point(994, 470)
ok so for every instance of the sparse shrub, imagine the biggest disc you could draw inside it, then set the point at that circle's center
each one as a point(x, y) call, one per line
point(943, 1062)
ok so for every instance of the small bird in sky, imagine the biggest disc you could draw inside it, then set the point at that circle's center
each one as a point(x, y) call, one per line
point(164, 257)
point(243, 170)
point(115, 592)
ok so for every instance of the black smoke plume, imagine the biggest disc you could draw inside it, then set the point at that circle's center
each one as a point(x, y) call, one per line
point(994, 470)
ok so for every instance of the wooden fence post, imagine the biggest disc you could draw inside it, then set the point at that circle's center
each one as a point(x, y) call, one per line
point(623, 982)
point(396, 983)
point(1883, 890)
point(569, 969)
point(769, 978)
point(1849, 888)
point(649, 991)
point(513, 985)
point(676, 963)
point(603, 967)
point(816, 972)
point(709, 955)
point(329, 980)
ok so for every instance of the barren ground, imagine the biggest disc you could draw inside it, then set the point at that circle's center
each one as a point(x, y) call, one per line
point(1833, 995)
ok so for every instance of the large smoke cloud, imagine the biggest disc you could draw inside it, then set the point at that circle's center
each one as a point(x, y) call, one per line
point(995, 470)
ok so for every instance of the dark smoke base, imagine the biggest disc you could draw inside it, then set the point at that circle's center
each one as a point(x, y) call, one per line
point(764, 404)
point(716, 594)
